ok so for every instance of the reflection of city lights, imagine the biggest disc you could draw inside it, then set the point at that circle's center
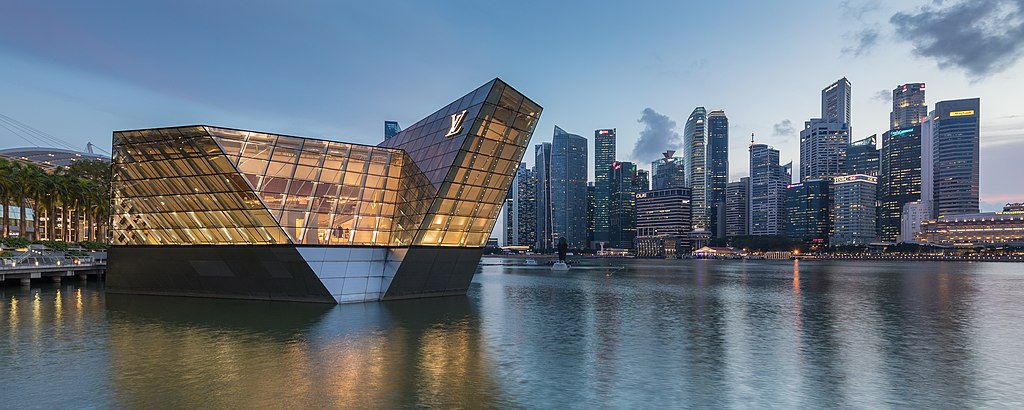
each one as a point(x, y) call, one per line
point(796, 276)
point(58, 308)
point(12, 319)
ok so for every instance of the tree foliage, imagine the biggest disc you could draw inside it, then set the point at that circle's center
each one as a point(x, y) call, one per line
point(79, 195)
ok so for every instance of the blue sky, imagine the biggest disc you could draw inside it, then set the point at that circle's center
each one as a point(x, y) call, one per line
point(79, 70)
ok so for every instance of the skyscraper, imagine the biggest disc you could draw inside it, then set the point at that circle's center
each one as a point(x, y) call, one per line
point(908, 106)
point(823, 141)
point(569, 188)
point(807, 211)
point(590, 214)
point(604, 156)
point(853, 210)
point(899, 178)
point(835, 101)
point(927, 201)
point(542, 169)
point(625, 184)
point(669, 172)
point(737, 197)
point(955, 148)
point(768, 182)
point(662, 222)
point(643, 180)
point(862, 157)
point(718, 169)
point(823, 149)
point(521, 209)
point(695, 136)
point(391, 129)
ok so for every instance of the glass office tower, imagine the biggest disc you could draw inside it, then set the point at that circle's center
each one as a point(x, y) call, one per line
point(604, 156)
point(391, 129)
point(862, 157)
point(908, 106)
point(625, 184)
point(695, 139)
point(737, 198)
point(823, 146)
point(521, 209)
point(662, 223)
point(209, 211)
point(669, 172)
point(542, 169)
point(718, 169)
point(853, 215)
point(899, 178)
point(768, 182)
point(955, 146)
point(569, 188)
point(807, 211)
point(835, 101)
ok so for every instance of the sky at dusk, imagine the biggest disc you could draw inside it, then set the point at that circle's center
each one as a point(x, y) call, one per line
point(337, 70)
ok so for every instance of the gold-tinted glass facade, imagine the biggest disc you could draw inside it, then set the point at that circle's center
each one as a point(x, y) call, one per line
point(473, 169)
point(440, 182)
point(331, 193)
point(175, 186)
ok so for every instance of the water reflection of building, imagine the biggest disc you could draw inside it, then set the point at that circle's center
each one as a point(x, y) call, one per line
point(208, 211)
point(220, 353)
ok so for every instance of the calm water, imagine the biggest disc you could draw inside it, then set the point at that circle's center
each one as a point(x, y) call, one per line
point(608, 334)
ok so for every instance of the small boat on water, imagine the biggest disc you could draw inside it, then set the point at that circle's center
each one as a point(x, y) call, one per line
point(530, 262)
point(560, 266)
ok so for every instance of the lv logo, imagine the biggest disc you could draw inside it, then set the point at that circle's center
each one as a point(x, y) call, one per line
point(456, 125)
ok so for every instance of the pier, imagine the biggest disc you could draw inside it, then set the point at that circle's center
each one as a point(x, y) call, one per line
point(52, 272)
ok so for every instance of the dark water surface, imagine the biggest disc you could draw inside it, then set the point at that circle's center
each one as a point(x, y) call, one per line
point(608, 334)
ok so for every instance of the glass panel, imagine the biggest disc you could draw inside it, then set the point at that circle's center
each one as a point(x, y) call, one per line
point(192, 193)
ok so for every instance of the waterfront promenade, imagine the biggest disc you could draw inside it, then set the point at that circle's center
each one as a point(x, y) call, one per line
point(38, 263)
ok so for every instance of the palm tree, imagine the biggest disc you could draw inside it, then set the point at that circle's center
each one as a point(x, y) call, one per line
point(6, 192)
point(94, 195)
point(45, 197)
point(27, 178)
point(76, 198)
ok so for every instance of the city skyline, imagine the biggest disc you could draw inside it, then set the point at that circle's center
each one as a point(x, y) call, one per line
point(78, 73)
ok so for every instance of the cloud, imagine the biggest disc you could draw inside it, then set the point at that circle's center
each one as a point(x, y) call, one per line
point(857, 10)
point(1004, 130)
point(883, 95)
point(784, 129)
point(658, 135)
point(863, 40)
point(979, 37)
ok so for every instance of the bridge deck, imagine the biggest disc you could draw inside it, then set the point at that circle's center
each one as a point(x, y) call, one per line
point(51, 271)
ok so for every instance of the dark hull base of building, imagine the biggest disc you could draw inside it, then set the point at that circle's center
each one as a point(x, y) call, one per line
point(273, 272)
point(429, 271)
point(240, 272)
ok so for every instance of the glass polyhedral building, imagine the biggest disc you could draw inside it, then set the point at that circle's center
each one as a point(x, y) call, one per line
point(209, 211)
